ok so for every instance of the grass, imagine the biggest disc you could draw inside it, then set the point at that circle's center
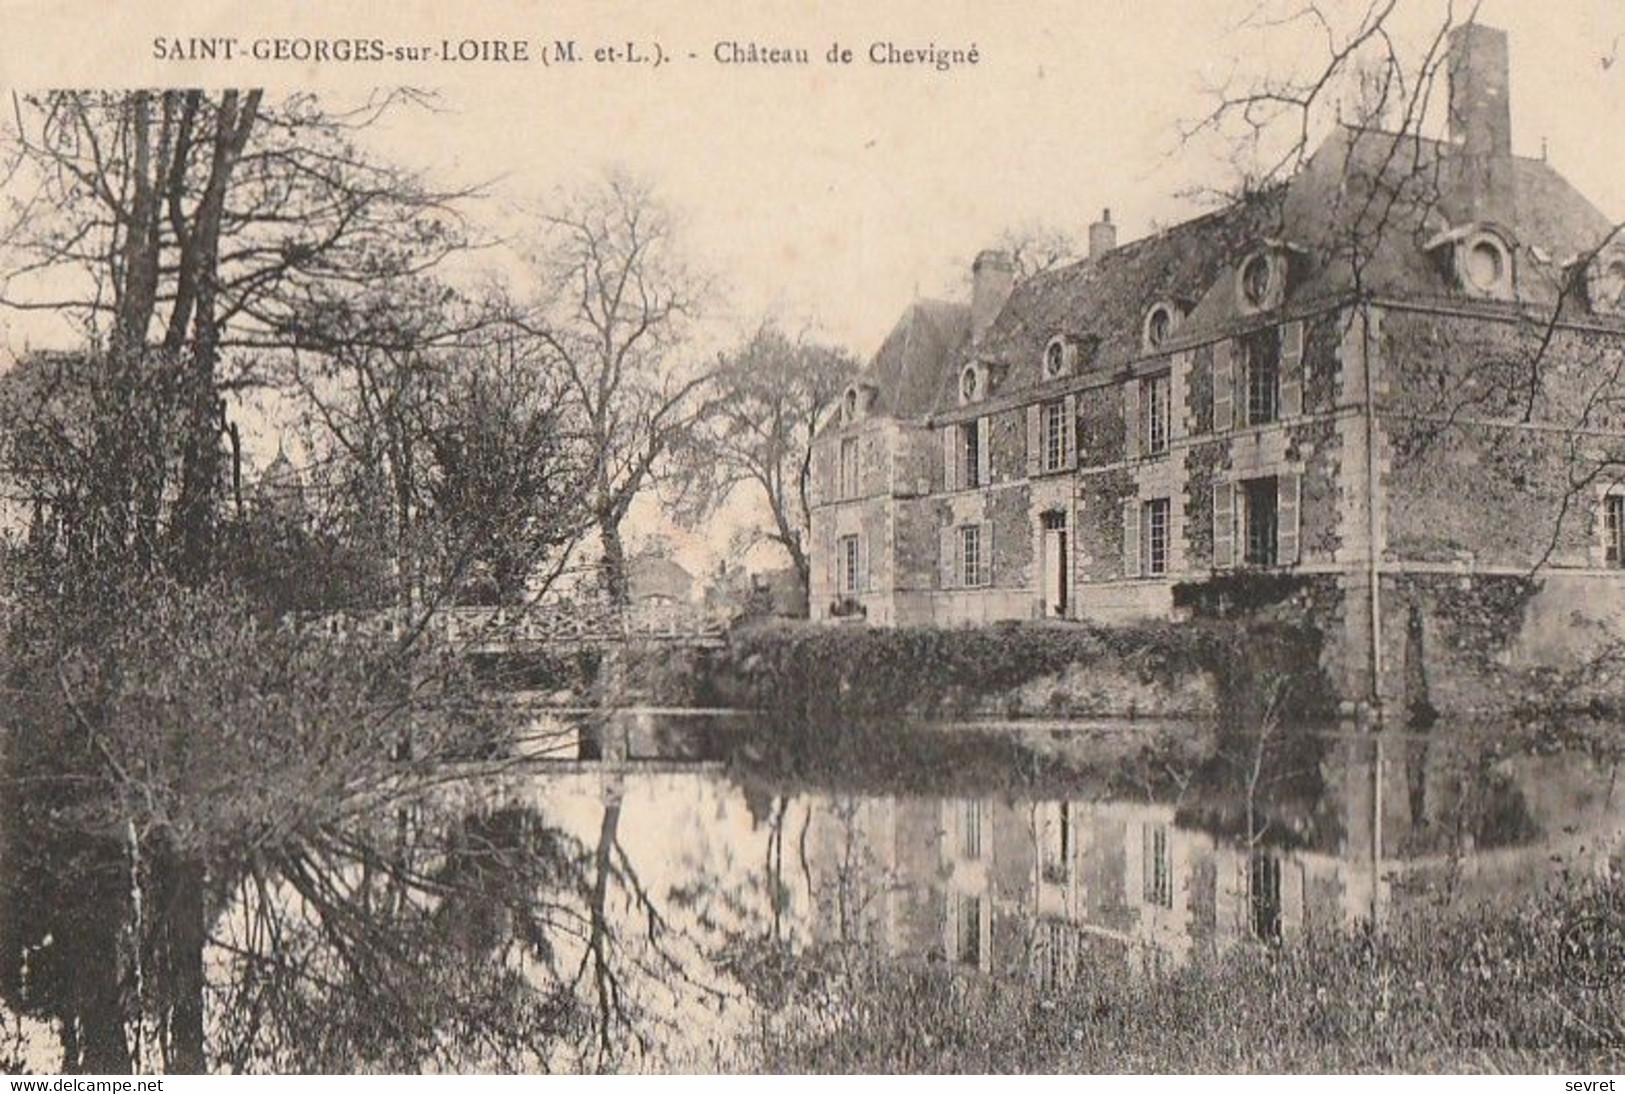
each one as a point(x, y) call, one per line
point(1483, 991)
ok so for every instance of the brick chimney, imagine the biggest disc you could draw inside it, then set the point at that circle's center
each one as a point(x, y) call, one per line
point(993, 276)
point(1102, 234)
point(1481, 122)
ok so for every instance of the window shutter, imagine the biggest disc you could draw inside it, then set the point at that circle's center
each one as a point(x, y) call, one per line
point(984, 451)
point(1287, 495)
point(1224, 524)
point(863, 564)
point(1035, 441)
point(1224, 386)
point(986, 547)
point(1131, 538)
point(1131, 420)
point(1292, 369)
point(1178, 377)
point(833, 573)
point(950, 457)
point(949, 556)
point(1071, 431)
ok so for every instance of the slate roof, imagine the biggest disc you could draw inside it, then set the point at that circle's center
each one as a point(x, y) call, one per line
point(1391, 193)
point(919, 358)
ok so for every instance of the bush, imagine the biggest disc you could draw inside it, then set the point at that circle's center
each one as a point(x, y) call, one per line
point(822, 673)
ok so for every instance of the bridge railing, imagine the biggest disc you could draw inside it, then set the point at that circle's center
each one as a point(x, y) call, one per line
point(530, 625)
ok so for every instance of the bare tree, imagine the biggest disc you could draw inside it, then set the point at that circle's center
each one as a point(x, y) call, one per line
point(177, 227)
point(617, 308)
point(770, 395)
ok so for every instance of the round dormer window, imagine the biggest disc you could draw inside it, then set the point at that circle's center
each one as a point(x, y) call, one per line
point(1159, 326)
point(1256, 276)
point(1054, 358)
point(968, 383)
point(1486, 265)
point(851, 404)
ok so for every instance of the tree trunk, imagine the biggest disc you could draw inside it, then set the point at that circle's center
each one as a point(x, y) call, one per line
point(186, 931)
point(616, 584)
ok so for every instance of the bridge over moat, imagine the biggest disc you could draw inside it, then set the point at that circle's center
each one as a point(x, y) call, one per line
point(559, 626)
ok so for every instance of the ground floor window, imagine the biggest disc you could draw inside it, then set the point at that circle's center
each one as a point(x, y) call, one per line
point(971, 562)
point(1260, 521)
point(967, 913)
point(847, 553)
point(1613, 513)
point(1154, 516)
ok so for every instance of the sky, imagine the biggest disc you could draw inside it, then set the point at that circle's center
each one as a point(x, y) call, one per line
point(829, 196)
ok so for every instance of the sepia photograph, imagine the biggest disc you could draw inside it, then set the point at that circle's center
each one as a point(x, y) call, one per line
point(782, 539)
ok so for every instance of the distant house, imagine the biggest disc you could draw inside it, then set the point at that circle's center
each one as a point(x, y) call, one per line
point(652, 578)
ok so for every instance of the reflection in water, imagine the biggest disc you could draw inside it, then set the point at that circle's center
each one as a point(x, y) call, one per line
point(605, 915)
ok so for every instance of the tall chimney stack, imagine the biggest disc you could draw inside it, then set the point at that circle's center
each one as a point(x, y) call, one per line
point(1102, 235)
point(1481, 120)
point(993, 276)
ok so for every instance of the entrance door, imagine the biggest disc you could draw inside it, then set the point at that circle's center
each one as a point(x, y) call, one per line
point(1054, 565)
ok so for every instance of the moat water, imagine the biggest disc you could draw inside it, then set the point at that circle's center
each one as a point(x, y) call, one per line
point(549, 911)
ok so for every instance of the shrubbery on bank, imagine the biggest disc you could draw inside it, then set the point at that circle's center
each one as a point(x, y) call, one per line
point(820, 672)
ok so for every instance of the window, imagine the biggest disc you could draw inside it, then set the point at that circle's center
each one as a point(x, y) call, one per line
point(970, 455)
point(1614, 528)
point(1264, 896)
point(1054, 436)
point(1154, 539)
point(851, 403)
point(1485, 266)
point(1257, 279)
point(970, 555)
point(1057, 843)
point(1155, 392)
point(849, 467)
point(847, 554)
point(969, 384)
point(1158, 879)
point(1054, 358)
point(970, 830)
point(1259, 518)
point(968, 930)
point(1159, 324)
point(1262, 363)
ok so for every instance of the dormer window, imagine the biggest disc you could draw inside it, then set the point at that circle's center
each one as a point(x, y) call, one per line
point(1160, 323)
point(1060, 354)
point(1486, 265)
point(1261, 280)
point(849, 406)
point(1605, 282)
point(1478, 259)
point(970, 384)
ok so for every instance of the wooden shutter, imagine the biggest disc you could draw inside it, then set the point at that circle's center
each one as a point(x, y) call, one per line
point(950, 457)
point(1224, 386)
point(1287, 496)
point(984, 451)
point(863, 564)
point(1131, 420)
point(1291, 371)
point(833, 571)
point(1131, 538)
point(948, 546)
point(986, 547)
point(1179, 373)
point(1035, 442)
point(1071, 411)
point(1224, 524)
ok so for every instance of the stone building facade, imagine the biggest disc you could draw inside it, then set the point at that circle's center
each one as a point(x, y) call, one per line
point(1382, 395)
